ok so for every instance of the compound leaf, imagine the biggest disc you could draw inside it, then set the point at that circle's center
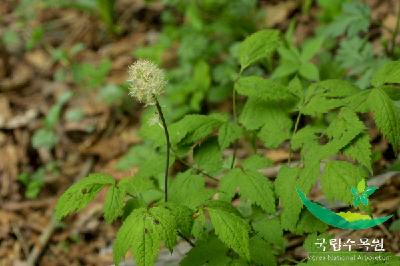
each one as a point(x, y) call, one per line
point(189, 189)
point(338, 178)
point(252, 186)
point(231, 230)
point(81, 193)
point(285, 187)
point(228, 133)
point(142, 232)
point(257, 46)
point(360, 150)
point(114, 203)
point(388, 73)
point(263, 89)
point(386, 114)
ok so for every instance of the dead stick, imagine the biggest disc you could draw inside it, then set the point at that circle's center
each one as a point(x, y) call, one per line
point(44, 238)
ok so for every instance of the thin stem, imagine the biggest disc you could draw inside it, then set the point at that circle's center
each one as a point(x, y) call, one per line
point(161, 115)
point(234, 113)
point(396, 31)
point(296, 125)
point(186, 239)
point(197, 169)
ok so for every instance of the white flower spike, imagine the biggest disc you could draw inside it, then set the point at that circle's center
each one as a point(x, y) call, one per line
point(147, 81)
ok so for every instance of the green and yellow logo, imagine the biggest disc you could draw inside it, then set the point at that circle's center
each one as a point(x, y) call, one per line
point(346, 220)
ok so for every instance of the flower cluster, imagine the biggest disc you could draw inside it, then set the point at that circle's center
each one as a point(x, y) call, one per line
point(147, 81)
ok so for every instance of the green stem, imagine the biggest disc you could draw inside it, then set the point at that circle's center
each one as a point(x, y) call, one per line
point(234, 113)
point(395, 32)
point(186, 239)
point(161, 115)
point(296, 125)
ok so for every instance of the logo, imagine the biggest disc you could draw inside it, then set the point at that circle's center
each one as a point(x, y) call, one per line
point(346, 220)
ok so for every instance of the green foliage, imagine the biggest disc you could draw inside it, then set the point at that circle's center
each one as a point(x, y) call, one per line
point(231, 230)
point(189, 190)
point(285, 185)
point(114, 203)
point(388, 73)
point(257, 46)
point(46, 137)
point(81, 193)
point(338, 178)
point(252, 186)
point(386, 114)
point(218, 197)
point(142, 232)
point(355, 18)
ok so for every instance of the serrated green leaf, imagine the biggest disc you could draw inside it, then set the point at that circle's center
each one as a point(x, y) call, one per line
point(207, 155)
point(277, 128)
point(285, 185)
point(308, 223)
point(261, 252)
point(231, 230)
point(326, 95)
point(200, 227)
point(388, 73)
point(386, 114)
point(359, 149)
point(114, 203)
point(263, 89)
point(183, 217)
point(250, 117)
point(142, 232)
point(311, 170)
point(257, 46)
point(207, 252)
point(192, 128)
point(255, 162)
point(252, 186)
point(343, 129)
point(296, 87)
point(228, 133)
point(189, 189)
point(270, 230)
point(307, 136)
point(338, 178)
point(81, 193)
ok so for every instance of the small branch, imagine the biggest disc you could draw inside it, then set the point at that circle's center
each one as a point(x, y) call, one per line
point(161, 115)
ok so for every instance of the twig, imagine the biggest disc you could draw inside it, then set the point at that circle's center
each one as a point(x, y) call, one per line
point(161, 115)
point(49, 230)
